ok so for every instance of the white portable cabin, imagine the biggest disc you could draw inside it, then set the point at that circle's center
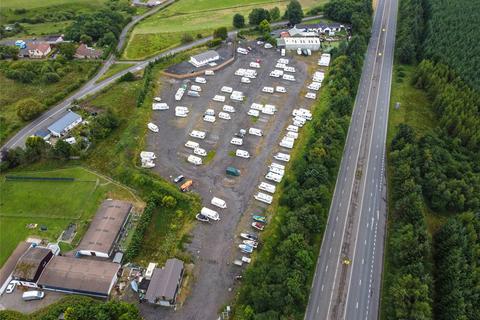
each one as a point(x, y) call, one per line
point(218, 202)
point(228, 108)
point(209, 213)
point(224, 116)
point(242, 153)
point(263, 197)
point(255, 132)
point(282, 157)
point(160, 106)
point(200, 152)
point(194, 160)
point(267, 187)
point(192, 144)
point(197, 134)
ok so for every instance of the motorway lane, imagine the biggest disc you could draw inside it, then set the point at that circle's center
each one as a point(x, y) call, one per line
point(328, 298)
point(367, 263)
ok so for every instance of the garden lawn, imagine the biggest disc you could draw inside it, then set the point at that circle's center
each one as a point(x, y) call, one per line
point(76, 72)
point(164, 29)
point(114, 69)
point(54, 204)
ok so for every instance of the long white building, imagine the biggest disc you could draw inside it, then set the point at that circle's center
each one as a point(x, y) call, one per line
point(291, 43)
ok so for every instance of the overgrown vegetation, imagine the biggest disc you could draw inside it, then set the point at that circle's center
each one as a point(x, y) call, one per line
point(431, 268)
point(79, 308)
point(276, 285)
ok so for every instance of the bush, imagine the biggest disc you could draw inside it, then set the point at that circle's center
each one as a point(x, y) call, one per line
point(51, 77)
point(214, 42)
point(221, 33)
point(169, 202)
point(186, 38)
point(238, 21)
point(127, 77)
point(27, 109)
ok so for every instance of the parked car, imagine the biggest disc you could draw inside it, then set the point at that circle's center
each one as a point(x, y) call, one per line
point(178, 179)
point(11, 286)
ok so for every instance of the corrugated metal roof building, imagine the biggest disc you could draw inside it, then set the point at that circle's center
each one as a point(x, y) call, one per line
point(165, 283)
point(79, 276)
point(66, 123)
point(105, 229)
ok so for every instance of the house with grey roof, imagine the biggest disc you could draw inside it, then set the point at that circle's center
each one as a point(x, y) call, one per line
point(42, 133)
point(66, 123)
point(203, 58)
point(165, 284)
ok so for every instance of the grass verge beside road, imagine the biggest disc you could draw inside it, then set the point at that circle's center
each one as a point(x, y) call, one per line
point(53, 204)
point(114, 69)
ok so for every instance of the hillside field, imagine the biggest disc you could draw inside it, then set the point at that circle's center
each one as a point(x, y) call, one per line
point(164, 29)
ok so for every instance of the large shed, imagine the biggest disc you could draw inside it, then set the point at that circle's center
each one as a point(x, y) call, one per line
point(9, 265)
point(105, 229)
point(165, 283)
point(31, 264)
point(80, 276)
point(291, 43)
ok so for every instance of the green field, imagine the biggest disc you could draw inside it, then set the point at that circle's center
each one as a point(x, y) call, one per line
point(50, 203)
point(164, 29)
point(74, 72)
point(35, 4)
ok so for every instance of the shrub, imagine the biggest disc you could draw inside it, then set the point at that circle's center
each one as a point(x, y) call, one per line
point(221, 33)
point(238, 21)
point(169, 202)
point(27, 109)
point(127, 77)
point(186, 38)
point(214, 42)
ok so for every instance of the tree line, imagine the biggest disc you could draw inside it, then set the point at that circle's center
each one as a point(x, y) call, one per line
point(276, 285)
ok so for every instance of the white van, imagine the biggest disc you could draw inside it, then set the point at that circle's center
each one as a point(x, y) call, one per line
point(292, 128)
point(253, 113)
point(219, 98)
point(198, 134)
point(226, 89)
point(236, 141)
point(153, 127)
point(200, 152)
point(209, 72)
point(268, 89)
point(263, 197)
point(200, 80)
point(160, 106)
point(311, 95)
point(273, 177)
point(194, 160)
point(282, 157)
point(288, 77)
point(242, 51)
point(255, 132)
point(245, 80)
point(280, 89)
point(228, 108)
point(256, 106)
point(208, 118)
point(242, 154)
point(299, 51)
point(196, 88)
point(209, 213)
point(224, 116)
point(218, 202)
point(267, 187)
point(192, 144)
point(33, 295)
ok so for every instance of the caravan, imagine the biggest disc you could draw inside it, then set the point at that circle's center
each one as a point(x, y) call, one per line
point(191, 144)
point(198, 134)
point(200, 152)
point(263, 197)
point(224, 116)
point(228, 108)
point(209, 213)
point(242, 154)
point(160, 106)
point(282, 157)
point(219, 202)
point(267, 187)
point(194, 160)
point(255, 132)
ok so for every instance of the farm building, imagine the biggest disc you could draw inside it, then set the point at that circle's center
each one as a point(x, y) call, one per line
point(66, 123)
point(86, 52)
point(301, 33)
point(105, 229)
point(42, 133)
point(165, 283)
point(31, 265)
point(79, 276)
point(203, 58)
point(9, 266)
point(326, 28)
point(299, 43)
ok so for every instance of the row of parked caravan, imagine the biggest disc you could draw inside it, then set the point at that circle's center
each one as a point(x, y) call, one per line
point(324, 60)
point(281, 69)
point(257, 108)
point(198, 151)
point(207, 214)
